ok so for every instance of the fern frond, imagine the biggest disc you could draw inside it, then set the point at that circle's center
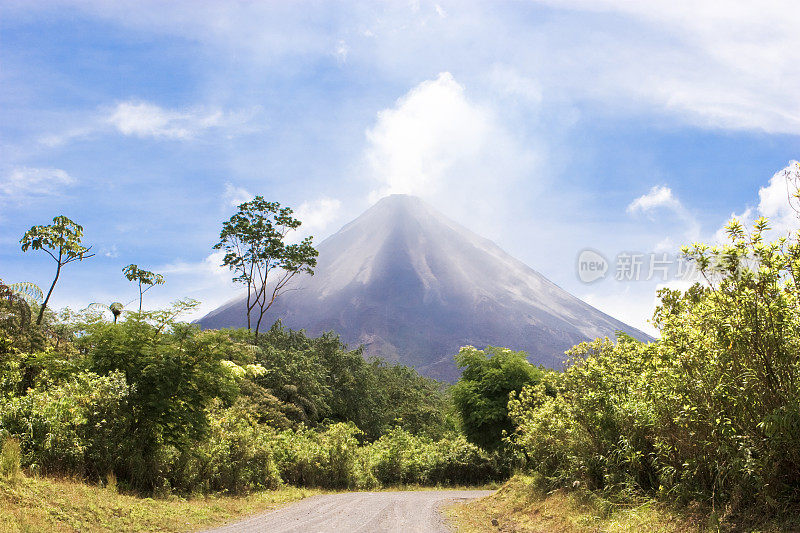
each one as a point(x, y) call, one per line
point(30, 292)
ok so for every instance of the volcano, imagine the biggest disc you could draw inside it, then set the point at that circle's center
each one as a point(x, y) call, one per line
point(412, 286)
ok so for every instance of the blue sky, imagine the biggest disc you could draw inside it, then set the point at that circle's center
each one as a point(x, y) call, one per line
point(548, 127)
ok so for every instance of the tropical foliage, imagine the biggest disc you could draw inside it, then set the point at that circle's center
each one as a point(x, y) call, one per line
point(256, 251)
point(481, 395)
point(709, 413)
point(163, 406)
point(61, 240)
point(145, 280)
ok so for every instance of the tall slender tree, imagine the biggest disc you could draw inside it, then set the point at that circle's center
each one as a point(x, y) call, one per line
point(146, 280)
point(254, 242)
point(62, 241)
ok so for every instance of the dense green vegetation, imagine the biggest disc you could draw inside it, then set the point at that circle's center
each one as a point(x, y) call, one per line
point(481, 395)
point(710, 413)
point(161, 406)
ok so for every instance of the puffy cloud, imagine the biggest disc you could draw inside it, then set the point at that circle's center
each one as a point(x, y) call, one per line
point(26, 182)
point(436, 143)
point(776, 200)
point(659, 196)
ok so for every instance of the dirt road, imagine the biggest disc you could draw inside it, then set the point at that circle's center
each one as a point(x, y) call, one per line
point(364, 512)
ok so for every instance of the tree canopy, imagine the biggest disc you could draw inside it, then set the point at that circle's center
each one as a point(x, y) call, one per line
point(255, 243)
point(61, 240)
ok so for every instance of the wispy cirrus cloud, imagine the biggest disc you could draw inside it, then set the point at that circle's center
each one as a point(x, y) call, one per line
point(22, 183)
point(146, 120)
point(712, 66)
point(143, 119)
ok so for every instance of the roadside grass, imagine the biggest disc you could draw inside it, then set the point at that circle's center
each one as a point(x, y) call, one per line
point(59, 505)
point(520, 506)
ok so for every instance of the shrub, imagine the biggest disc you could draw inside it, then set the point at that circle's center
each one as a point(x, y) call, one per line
point(10, 458)
point(400, 457)
point(711, 412)
point(481, 394)
point(312, 458)
point(236, 456)
point(74, 428)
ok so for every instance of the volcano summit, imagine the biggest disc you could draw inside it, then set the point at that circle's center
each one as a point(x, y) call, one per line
point(412, 287)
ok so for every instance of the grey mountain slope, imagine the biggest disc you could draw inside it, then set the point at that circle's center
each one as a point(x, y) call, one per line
point(413, 286)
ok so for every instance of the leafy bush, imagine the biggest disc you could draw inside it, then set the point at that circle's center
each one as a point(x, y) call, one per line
point(172, 372)
point(400, 457)
point(312, 458)
point(158, 405)
point(74, 428)
point(236, 456)
point(711, 412)
point(481, 394)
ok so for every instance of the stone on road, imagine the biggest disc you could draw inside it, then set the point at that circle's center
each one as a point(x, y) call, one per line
point(365, 512)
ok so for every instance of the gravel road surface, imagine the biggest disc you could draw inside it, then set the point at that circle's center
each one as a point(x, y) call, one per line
point(362, 512)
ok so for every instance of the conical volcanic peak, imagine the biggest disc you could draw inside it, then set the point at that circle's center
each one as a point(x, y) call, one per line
point(413, 286)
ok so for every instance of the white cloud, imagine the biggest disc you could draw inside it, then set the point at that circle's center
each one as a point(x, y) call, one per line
point(721, 65)
point(26, 182)
point(437, 143)
point(235, 196)
point(776, 202)
point(317, 215)
point(137, 118)
point(143, 119)
point(711, 64)
point(659, 196)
